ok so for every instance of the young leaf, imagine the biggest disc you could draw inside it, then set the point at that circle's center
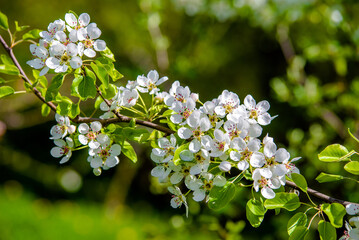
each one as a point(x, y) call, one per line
point(108, 54)
point(74, 110)
point(334, 153)
point(255, 212)
point(45, 110)
point(299, 233)
point(32, 34)
point(352, 167)
point(101, 73)
point(75, 85)
point(326, 231)
point(299, 219)
point(3, 21)
point(324, 177)
point(54, 87)
point(300, 181)
point(6, 60)
point(335, 213)
point(20, 28)
point(64, 105)
point(9, 69)
point(129, 152)
point(219, 197)
point(6, 91)
point(176, 157)
point(87, 87)
point(289, 201)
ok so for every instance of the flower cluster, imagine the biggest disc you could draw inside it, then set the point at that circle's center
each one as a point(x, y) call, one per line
point(222, 134)
point(352, 233)
point(64, 43)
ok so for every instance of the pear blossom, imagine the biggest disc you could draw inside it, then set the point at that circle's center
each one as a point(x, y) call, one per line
point(106, 156)
point(352, 208)
point(220, 144)
point(166, 149)
point(182, 111)
point(89, 134)
point(62, 128)
point(257, 112)
point(89, 43)
point(149, 84)
point(351, 233)
point(41, 54)
point(180, 94)
point(74, 25)
point(53, 28)
point(266, 184)
point(178, 198)
point(62, 149)
point(61, 57)
point(227, 102)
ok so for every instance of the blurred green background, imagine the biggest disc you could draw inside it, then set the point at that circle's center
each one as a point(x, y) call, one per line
point(302, 56)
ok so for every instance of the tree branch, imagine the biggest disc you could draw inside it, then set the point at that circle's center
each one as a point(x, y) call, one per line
point(23, 74)
point(319, 195)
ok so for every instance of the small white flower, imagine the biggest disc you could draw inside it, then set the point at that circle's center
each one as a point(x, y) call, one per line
point(63, 149)
point(62, 128)
point(53, 28)
point(257, 112)
point(150, 83)
point(88, 135)
point(178, 198)
point(106, 156)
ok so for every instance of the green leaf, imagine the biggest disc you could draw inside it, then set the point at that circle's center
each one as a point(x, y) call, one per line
point(6, 91)
point(20, 28)
point(255, 212)
point(6, 60)
point(299, 233)
point(9, 69)
point(101, 73)
point(45, 110)
point(326, 231)
point(64, 105)
point(299, 219)
point(289, 201)
point(219, 197)
point(324, 177)
point(108, 92)
point(74, 110)
point(75, 85)
point(32, 34)
point(87, 87)
point(176, 157)
point(334, 153)
point(352, 167)
point(108, 54)
point(40, 79)
point(300, 181)
point(54, 87)
point(3, 21)
point(129, 152)
point(335, 213)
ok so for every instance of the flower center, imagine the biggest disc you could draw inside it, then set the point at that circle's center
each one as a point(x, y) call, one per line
point(186, 113)
point(65, 58)
point(253, 114)
point(88, 43)
point(208, 185)
point(91, 135)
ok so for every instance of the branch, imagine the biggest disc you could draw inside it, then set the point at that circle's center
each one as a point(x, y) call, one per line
point(23, 74)
point(319, 195)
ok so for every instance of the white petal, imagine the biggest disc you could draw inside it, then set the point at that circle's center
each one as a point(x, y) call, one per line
point(83, 139)
point(93, 144)
point(81, 34)
point(99, 45)
point(176, 178)
point(71, 19)
point(270, 149)
point(56, 152)
point(184, 133)
point(268, 193)
point(65, 159)
point(243, 165)
point(61, 68)
point(76, 62)
point(60, 143)
point(194, 146)
point(265, 172)
point(199, 195)
point(44, 71)
point(96, 126)
point(93, 32)
point(249, 102)
point(83, 128)
point(186, 155)
point(264, 119)
point(225, 166)
point(36, 63)
point(71, 49)
point(73, 35)
point(158, 171)
point(52, 62)
point(219, 181)
point(352, 209)
point(90, 53)
point(96, 162)
point(115, 150)
point(84, 19)
point(112, 161)
point(263, 106)
point(281, 155)
point(257, 159)
point(235, 156)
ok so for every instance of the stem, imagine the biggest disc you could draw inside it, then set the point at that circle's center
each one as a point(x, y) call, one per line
point(319, 195)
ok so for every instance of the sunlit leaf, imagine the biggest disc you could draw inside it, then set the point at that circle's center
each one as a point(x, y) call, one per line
point(3, 21)
point(6, 91)
point(289, 201)
point(219, 197)
point(352, 167)
point(324, 177)
point(129, 152)
point(334, 153)
point(32, 34)
point(335, 213)
point(299, 219)
point(255, 212)
point(326, 231)
point(300, 181)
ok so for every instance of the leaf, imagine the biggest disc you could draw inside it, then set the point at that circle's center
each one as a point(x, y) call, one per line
point(54, 87)
point(326, 231)
point(176, 157)
point(137, 135)
point(6, 91)
point(6, 60)
point(219, 197)
point(334, 153)
point(32, 34)
point(20, 28)
point(352, 167)
point(300, 181)
point(108, 92)
point(9, 69)
point(64, 105)
point(335, 213)
point(41, 79)
point(108, 54)
point(101, 73)
point(299, 219)
point(129, 152)
point(289, 201)
point(299, 233)
point(255, 212)
point(87, 87)
point(324, 177)
point(45, 110)
point(74, 110)
point(3, 21)
point(75, 85)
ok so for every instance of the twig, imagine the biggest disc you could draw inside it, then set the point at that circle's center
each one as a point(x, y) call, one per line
point(23, 74)
point(319, 195)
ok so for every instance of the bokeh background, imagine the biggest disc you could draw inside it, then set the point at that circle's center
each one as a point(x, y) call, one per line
point(302, 56)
